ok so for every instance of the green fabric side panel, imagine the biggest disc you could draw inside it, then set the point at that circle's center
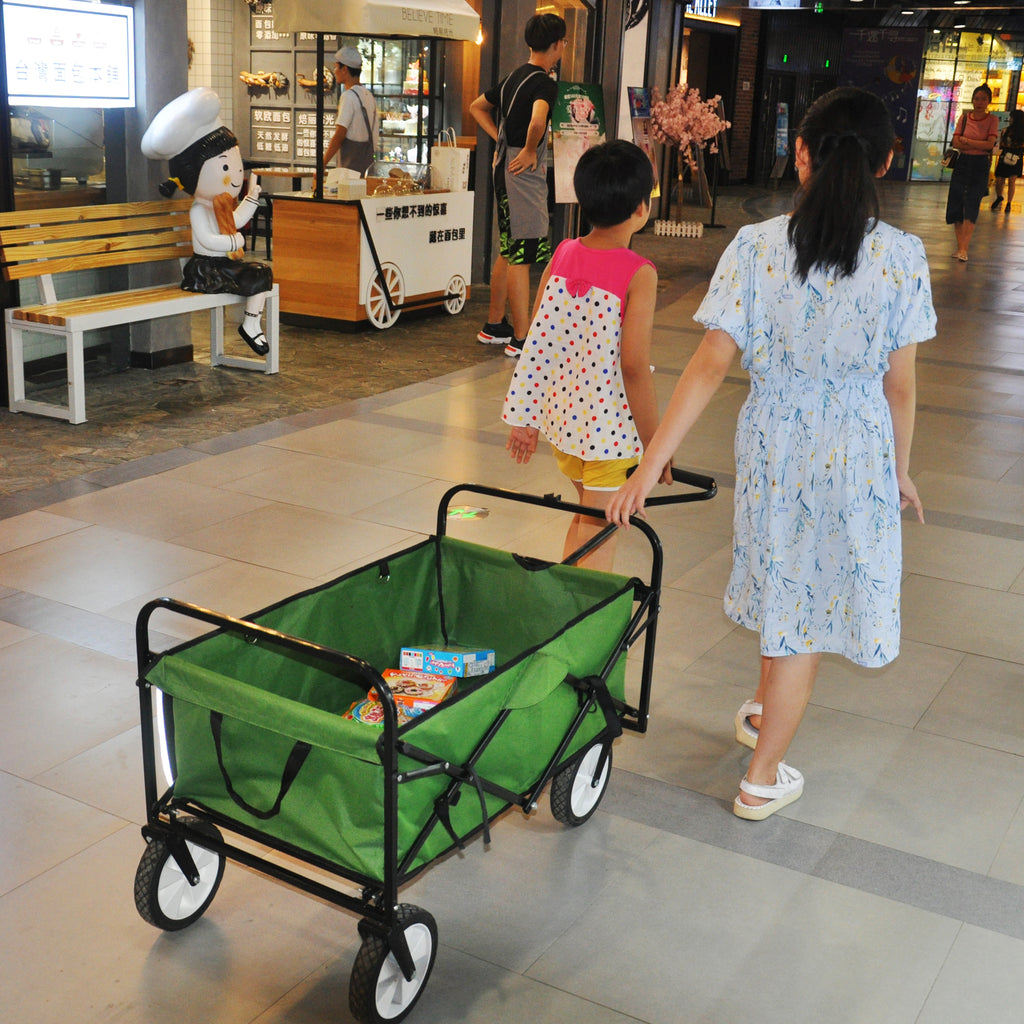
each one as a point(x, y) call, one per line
point(544, 708)
point(334, 808)
point(358, 615)
point(490, 600)
point(365, 616)
point(314, 717)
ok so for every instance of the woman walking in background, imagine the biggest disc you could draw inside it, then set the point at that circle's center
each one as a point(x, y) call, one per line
point(1011, 157)
point(974, 138)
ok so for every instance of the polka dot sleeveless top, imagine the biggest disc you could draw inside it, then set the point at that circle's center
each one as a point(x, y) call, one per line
point(568, 381)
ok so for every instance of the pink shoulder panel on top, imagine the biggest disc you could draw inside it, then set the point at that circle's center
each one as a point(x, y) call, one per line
point(609, 270)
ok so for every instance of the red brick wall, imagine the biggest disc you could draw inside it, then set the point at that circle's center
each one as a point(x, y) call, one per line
point(743, 115)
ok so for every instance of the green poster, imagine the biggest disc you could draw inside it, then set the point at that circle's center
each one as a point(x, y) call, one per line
point(577, 123)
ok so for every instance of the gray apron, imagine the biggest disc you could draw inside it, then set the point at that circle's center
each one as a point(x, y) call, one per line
point(358, 155)
point(527, 191)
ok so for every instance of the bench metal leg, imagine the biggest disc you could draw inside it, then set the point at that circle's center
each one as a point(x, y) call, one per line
point(272, 323)
point(15, 364)
point(75, 411)
point(76, 377)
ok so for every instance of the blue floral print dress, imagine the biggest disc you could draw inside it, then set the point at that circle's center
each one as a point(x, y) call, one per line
point(817, 556)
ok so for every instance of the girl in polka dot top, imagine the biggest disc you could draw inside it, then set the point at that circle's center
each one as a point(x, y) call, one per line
point(584, 378)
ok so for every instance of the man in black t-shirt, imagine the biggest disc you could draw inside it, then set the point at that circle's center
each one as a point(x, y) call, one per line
point(515, 113)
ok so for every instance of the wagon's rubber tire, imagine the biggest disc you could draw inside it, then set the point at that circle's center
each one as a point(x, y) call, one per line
point(387, 281)
point(575, 792)
point(378, 992)
point(164, 897)
point(457, 289)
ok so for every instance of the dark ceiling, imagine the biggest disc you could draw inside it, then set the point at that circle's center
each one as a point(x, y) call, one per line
point(996, 16)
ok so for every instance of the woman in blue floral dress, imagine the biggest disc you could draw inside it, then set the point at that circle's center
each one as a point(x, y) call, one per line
point(826, 306)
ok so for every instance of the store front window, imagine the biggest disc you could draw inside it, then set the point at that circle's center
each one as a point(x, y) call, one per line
point(955, 64)
point(66, 63)
point(57, 156)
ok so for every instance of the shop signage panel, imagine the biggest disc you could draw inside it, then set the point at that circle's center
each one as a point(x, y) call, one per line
point(305, 132)
point(66, 53)
point(429, 237)
point(271, 134)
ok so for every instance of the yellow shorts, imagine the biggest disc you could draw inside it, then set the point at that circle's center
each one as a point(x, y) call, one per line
point(597, 475)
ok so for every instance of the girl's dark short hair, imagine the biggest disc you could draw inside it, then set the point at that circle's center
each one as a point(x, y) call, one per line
point(611, 181)
point(542, 30)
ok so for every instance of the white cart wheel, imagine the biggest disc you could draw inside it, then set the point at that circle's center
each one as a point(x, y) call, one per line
point(164, 897)
point(576, 791)
point(388, 281)
point(457, 289)
point(378, 990)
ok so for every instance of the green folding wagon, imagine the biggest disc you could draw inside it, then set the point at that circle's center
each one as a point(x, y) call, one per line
point(248, 723)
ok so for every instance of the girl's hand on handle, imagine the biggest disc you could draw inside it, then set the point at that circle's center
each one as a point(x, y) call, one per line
point(629, 499)
point(909, 496)
point(522, 443)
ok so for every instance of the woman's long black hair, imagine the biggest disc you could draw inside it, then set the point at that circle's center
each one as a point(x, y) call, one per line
point(849, 135)
point(1013, 134)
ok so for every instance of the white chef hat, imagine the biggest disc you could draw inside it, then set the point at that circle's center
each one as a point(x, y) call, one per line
point(187, 132)
point(349, 57)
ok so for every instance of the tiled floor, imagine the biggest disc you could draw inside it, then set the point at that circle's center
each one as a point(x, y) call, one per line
point(891, 893)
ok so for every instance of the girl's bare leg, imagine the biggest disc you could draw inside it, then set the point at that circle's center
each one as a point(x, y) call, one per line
point(582, 528)
point(785, 689)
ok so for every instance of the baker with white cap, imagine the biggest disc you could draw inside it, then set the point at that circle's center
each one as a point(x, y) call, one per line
point(205, 162)
point(356, 132)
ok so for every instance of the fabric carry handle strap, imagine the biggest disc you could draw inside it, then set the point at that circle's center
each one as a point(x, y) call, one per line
point(295, 761)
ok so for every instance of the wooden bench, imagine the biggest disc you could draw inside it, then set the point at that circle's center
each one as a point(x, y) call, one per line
point(43, 243)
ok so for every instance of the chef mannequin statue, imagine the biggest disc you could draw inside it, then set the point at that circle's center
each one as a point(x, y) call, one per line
point(205, 162)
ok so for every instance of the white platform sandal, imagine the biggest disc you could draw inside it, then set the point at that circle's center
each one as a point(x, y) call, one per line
point(789, 786)
point(745, 732)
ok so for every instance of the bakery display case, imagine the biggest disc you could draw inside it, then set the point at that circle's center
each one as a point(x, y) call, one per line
point(280, 82)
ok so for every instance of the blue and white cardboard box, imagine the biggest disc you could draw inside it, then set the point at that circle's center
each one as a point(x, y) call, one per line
point(461, 662)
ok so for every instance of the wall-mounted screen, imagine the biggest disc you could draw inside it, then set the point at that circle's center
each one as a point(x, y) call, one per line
point(69, 53)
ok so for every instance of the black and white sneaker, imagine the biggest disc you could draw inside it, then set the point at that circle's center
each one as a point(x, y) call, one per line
point(514, 349)
point(496, 334)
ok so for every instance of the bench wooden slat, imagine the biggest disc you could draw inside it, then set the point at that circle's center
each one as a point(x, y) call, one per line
point(10, 237)
point(114, 259)
point(58, 313)
point(102, 211)
point(32, 257)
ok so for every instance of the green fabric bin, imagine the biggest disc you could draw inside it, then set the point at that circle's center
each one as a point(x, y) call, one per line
point(545, 623)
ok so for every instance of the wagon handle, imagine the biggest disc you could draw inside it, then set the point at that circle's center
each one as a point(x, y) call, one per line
point(706, 488)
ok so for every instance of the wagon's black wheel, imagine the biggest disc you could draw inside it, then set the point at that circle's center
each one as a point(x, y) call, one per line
point(577, 790)
point(388, 281)
point(378, 991)
point(164, 897)
point(457, 290)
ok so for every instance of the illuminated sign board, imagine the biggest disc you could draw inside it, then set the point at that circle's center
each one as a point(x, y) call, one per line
point(69, 53)
point(702, 8)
